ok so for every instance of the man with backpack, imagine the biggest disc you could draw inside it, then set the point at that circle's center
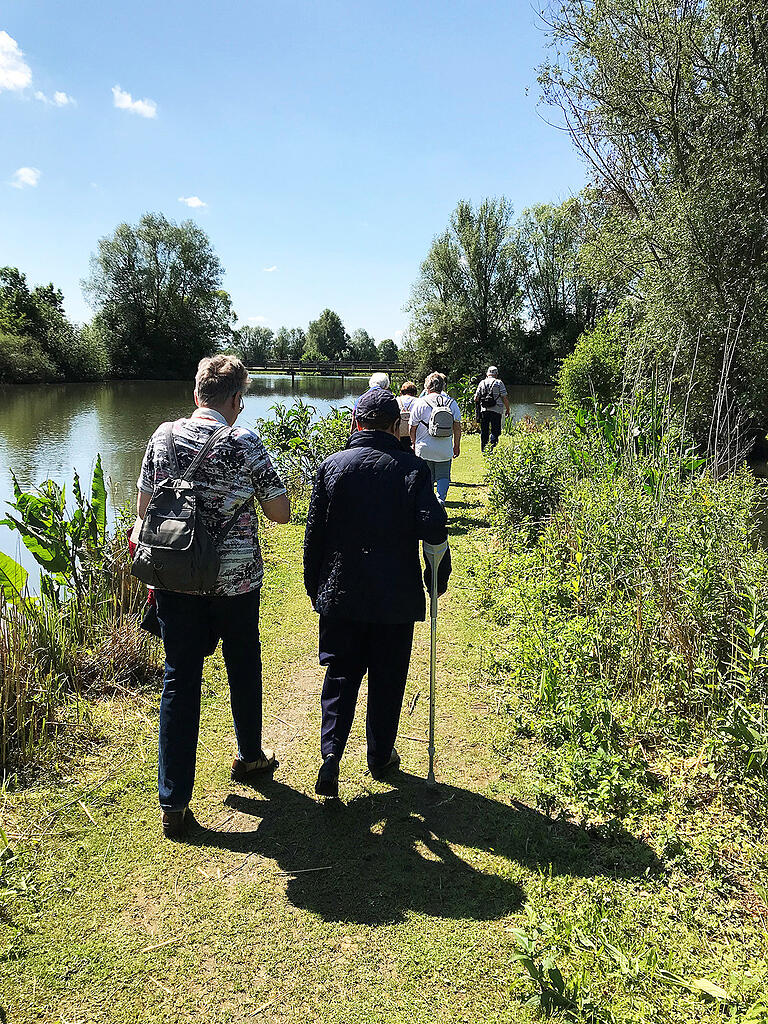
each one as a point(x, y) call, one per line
point(491, 403)
point(436, 432)
point(197, 545)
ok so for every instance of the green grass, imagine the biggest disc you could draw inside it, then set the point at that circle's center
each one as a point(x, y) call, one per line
point(411, 915)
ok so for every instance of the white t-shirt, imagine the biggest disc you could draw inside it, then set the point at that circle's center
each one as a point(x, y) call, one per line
point(433, 449)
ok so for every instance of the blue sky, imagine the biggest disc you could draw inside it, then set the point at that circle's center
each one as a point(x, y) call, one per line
point(329, 141)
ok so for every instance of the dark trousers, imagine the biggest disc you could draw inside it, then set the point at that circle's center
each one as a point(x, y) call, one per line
point(348, 649)
point(490, 428)
point(189, 623)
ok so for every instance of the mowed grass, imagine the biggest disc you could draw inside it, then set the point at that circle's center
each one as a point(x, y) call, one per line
point(396, 904)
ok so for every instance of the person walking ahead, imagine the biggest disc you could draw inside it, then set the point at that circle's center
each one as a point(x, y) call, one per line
point(235, 471)
point(436, 432)
point(371, 505)
point(491, 403)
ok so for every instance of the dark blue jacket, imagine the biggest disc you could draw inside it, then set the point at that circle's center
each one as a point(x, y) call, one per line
point(371, 505)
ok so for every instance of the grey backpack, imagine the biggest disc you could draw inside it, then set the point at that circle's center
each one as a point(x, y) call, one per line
point(440, 419)
point(175, 551)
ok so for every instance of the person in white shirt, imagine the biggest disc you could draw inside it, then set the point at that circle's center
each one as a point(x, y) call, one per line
point(437, 452)
point(407, 397)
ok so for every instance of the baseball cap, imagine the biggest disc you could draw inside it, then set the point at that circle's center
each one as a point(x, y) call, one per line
point(378, 404)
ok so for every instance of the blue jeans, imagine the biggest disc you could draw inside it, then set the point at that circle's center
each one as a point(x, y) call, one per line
point(188, 623)
point(441, 477)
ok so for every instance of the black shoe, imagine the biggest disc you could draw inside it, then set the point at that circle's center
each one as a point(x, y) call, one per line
point(378, 771)
point(328, 777)
point(175, 824)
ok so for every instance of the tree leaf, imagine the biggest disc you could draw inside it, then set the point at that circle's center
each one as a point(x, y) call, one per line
point(13, 579)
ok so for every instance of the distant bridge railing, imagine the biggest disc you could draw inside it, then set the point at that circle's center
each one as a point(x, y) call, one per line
point(337, 368)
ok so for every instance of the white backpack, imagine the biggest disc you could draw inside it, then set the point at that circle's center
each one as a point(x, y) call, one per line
point(441, 418)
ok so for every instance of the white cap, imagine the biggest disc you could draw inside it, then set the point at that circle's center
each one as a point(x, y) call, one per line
point(493, 371)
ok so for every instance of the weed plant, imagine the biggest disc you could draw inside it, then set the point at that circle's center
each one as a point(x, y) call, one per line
point(80, 632)
point(633, 603)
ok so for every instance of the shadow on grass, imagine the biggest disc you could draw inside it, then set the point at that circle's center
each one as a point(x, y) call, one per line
point(391, 853)
point(460, 524)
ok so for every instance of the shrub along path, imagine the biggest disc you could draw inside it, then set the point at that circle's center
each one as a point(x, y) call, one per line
point(396, 904)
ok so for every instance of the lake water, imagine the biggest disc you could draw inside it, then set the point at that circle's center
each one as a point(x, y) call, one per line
point(47, 431)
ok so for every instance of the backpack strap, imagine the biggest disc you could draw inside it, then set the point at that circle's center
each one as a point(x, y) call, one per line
point(215, 436)
point(170, 448)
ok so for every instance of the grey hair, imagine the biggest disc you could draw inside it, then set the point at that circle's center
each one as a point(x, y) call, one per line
point(378, 380)
point(219, 378)
point(435, 382)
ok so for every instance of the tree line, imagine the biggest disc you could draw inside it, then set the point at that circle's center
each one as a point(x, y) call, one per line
point(658, 271)
point(326, 340)
point(159, 307)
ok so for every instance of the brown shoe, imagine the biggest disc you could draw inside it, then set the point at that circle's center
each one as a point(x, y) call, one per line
point(175, 824)
point(248, 771)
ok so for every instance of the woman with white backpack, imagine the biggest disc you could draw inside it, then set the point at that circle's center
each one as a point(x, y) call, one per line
point(435, 422)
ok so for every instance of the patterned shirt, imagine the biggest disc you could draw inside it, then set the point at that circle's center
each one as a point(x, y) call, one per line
point(235, 472)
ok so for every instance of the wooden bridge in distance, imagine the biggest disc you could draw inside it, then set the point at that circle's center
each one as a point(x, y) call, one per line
point(338, 368)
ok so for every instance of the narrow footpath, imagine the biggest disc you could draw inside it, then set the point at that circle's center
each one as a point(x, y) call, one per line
point(395, 904)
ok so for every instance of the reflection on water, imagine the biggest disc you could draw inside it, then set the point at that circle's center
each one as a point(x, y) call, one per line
point(48, 431)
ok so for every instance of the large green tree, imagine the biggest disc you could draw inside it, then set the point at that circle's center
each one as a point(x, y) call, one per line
point(254, 345)
point(289, 343)
point(465, 305)
point(46, 345)
point(388, 351)
point(362, 346)
point(667, 102)
point(156, 289)
point(561, 299)
point(326, 337)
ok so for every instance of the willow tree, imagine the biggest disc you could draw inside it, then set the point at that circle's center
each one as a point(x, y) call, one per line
point(156, 289)
point(465, 305)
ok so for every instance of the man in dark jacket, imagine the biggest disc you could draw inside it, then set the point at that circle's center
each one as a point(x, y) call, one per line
point(371, 505)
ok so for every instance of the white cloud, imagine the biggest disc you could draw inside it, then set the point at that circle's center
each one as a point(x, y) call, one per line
point(25, 177)
point(124, 101)
point(15, 73)
point(269, 270)
point(195, 202)
point(257, 320)
point(60, 99)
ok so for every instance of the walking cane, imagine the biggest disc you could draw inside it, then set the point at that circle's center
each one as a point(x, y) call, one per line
point(434, 555)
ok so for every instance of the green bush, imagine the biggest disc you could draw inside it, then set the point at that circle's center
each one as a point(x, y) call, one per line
point(525, 474)
point(595, 368)
point(23, 361)
point(635, 614)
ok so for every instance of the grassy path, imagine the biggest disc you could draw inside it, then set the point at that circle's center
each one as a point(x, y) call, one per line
point(395, 905)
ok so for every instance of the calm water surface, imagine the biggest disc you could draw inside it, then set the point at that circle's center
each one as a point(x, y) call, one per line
point(48, 431)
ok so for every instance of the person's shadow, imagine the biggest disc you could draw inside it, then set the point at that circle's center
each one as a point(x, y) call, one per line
point(385, 854)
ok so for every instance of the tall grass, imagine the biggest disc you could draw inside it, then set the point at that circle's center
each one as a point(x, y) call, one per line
point(633, 605)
